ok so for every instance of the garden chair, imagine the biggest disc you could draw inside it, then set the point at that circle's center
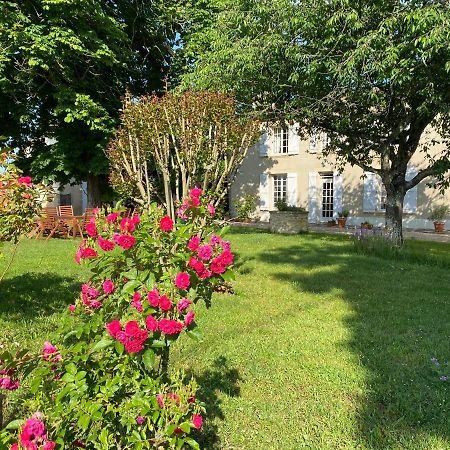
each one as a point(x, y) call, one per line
point(50, 223)
point(71, 221)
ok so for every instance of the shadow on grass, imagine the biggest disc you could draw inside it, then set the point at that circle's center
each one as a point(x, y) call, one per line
point(219, 379)
point(33, 294)
point(399, 322)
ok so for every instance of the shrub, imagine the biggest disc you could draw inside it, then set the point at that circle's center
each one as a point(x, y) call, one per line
point(438, 214)
point(282, 205)
point(102, 381)
point(245, 206)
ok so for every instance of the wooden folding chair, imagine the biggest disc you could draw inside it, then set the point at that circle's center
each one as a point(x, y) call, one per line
point(66, 211)
point(49, 222)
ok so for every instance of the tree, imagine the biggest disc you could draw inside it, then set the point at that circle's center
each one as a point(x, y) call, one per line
point(166, 145)
point(373, 75)
point(64, 66)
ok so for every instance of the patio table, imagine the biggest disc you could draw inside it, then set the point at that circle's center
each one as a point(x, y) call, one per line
point(73, 222)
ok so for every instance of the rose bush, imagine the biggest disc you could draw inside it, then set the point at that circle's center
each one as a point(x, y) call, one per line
point(102, 381)
point(20, 202)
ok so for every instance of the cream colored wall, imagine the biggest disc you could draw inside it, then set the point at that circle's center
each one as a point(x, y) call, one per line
point(76, 196)
point(247, 182)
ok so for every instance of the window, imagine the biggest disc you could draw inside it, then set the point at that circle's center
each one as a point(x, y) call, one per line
point(382, 197)
point(279, 188)
point(318, 142)
point(65, 199)
point(327, 196)
point(280, 140)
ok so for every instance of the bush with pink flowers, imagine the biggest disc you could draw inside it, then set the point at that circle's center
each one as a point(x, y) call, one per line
point(103, 380)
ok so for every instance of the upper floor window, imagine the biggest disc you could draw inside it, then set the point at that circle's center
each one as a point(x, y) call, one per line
point(382, 197)
point(280, 140)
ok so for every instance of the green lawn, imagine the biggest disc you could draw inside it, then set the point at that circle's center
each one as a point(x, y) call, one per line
point(319, 348)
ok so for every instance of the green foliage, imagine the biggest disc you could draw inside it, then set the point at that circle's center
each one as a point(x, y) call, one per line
point(165, 144)
point(373, 76)
point(245, 206)
point(438, 214)
point(64, 66)
point(344, 213)
point(282, 205)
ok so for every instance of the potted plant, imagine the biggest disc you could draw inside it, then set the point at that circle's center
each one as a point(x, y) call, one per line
point(288, 219)
point(438, 217)
point(342, 217)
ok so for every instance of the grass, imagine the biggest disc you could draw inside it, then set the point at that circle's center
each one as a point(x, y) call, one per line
point(319, 348)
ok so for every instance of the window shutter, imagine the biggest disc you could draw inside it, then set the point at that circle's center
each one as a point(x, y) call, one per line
point(292, 189)
point(313, 143)
point(312, 197)
point(410, 201)
point(294, 140)
point(338, 192)
point(371, 192)
point(264, 144)
point(264, 191)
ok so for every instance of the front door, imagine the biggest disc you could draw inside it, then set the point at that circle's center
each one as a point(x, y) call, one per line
point(327, 197)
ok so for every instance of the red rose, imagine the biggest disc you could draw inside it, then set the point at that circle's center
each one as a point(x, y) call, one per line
point(113, 328)
point(125, 241)
point(166, 224)
point(164, 303)
point(182, 280)
point(169, 326)
point(152, 323)
point(153, 298)
point(105, 245)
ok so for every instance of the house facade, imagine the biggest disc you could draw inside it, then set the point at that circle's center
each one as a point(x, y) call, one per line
point(282, 165)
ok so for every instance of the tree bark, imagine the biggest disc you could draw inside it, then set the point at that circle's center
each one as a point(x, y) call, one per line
point(394, 212)
point(93, 190)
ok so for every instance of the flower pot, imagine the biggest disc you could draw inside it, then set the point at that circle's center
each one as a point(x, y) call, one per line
point(342, 221)
point(439, 227)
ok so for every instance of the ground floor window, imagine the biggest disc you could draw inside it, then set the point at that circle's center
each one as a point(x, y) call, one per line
point(327, 196)
point(279, 188)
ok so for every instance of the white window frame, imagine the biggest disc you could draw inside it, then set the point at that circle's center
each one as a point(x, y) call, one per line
point(280, 142)
point(383, 197)
point(279, 186)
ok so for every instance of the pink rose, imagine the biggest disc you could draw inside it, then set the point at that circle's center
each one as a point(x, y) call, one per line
point(164, 303)
point(33, 432)
point(113, 328)
point(195, 202)
point(217, 266)
point(189, 318)
point(108, 287)
point(182, 281)
point(183, 305)
point(14, 446)
point(110, 218)
point(48, 350)
point(134, 346)
point(166, 224)
point(153, 298)
point(196, 192)
point(193, 243)
point(169, 326)
point(136, 219)
point(160, 399)
point(91, 229)
point(127, 225)
point(174, 397)
point(136, 302)
point(205, 252)
point(26, 181)
point(132, 328)
point(125, 241)
point(105, 244)
point(8, 384)
point(226, 257)
point(151, 323)
point(140, 420)
point(72, 308)
point(211, 209)
point(197, 421)
point(49, 445)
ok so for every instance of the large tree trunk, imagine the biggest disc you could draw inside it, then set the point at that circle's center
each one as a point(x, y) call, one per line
point(394, 212)
point(93, 190)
